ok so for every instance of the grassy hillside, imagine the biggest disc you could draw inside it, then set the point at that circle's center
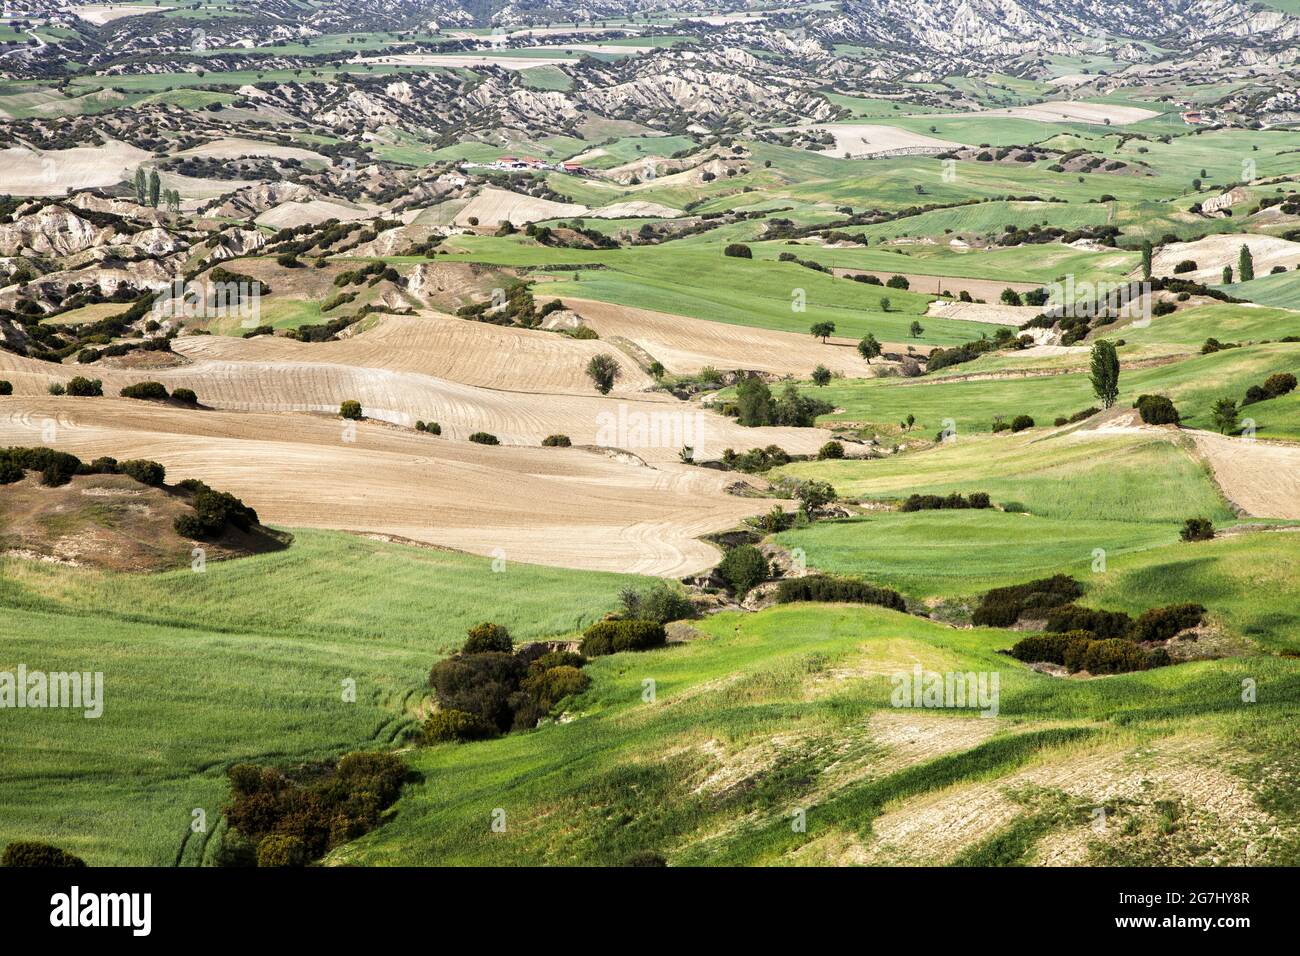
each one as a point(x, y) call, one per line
point(789, 710)
point(246, 661)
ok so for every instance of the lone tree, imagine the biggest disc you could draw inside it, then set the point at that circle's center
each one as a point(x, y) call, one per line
point(603, 370)
point(813, 496)
point(1227, 275)
point(916, 330)
point(823, 330)
point(155, 188)
point(350, 409)
point(1245, 264)
point(1225, 415)
point(141, 185)
point(1146, 258)
point(1105, 372)
point(885, 304)
point(869, 348)
point(821, 375)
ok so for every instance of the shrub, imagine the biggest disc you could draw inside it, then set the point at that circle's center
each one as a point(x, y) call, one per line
point(743, 568)
point(1279, 384)
point(738, 250)
point(6, 387)
point(1072, 617)
point(1197, 529)
point(604, 371)
point(556, 441)
point(1162, 623)
point(1187, 265)
point(1157, 410)
point(85, 387)
point(150, 391)
point(897, 282)
point(542, 689)
point(350, 409)
point(279, 849)
point(829, 588)
point(144, 471)
point(1163, 308)
point(185, 395)
point(832, 449)
point(30, 853)
point(608, 637)
point(431, 428)
point(1021, 422)
point(1048, 648)
point(977, 499)
point(446, 725)
point(213, 511)
point(479, 684)
point(483, 438)
point(488, 637)
point(1113, 656)
point(660, 602)
point(1002, 607)
point(57, 388)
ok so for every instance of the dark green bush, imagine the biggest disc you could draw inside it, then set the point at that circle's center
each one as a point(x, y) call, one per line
point(488, 637)
point(1048, 648)
point(609, 637)
point(978, 499)
point(1072, 617)
point(830, 450)
point(6, 387)
point(483, 438)
point(144, 471)
point(479, 684)
point(744, 567)
point(185, 396)
point(556, 441)
point(1157, 410)
point(738, 250)
point(1002, 607)
point(350, 409)
point(1162, 623)
point(830, 588)
point(660, 602)
point(30, 853)
point(213, 512)
point(1021, 422)
point(1113, 656)
point(150, 391)
point(85, 387)
point(542, 690)
point(1197, 529)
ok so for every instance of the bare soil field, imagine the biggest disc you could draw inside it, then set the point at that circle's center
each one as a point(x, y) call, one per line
point(987, 289)
point(1262, 478)
point(1212, 253)
point(553, 506)
point(1067, 112)
point(26, 172)
point(494, 206)
point(685, 345)
point(313, 212)
point(99, 14)
point(865, 139)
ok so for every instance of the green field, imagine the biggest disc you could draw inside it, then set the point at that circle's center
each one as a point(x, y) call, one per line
point(971, 406)
point(245, 661)
point(785, 702)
